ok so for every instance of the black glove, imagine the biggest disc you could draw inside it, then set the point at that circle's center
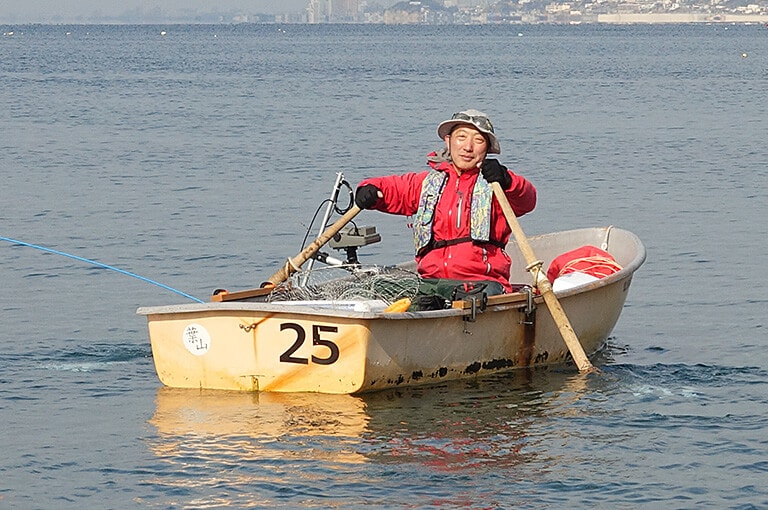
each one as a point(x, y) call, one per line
point(366, 196)
point(493, 171)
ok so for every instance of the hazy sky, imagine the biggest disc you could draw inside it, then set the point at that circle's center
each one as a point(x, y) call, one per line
point(32, 11)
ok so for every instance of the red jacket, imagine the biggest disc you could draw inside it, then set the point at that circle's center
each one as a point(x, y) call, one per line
point(468, 260)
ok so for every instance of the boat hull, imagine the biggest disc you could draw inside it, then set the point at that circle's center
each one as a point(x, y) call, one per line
point(252, 346)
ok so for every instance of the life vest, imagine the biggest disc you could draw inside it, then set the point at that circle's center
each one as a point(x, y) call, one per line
point(480, 213)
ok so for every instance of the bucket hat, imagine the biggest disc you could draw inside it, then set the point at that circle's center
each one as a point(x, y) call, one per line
point(476, 119)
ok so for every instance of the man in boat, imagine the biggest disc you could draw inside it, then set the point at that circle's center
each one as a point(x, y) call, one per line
point(459, 228)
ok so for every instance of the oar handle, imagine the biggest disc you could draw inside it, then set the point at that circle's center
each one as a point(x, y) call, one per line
point(295, 263)
point(543, 284)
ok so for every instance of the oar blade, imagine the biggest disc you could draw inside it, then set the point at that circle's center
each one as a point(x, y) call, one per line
point(544, 285)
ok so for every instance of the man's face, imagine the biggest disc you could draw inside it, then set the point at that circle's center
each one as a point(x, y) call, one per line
point(468, 147)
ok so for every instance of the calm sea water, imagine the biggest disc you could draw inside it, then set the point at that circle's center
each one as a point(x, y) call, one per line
point(197, 159)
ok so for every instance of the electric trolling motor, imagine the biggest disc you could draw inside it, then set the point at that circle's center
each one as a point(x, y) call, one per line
point(348, 239)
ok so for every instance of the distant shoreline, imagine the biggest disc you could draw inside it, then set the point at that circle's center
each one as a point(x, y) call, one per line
point(660, 18)
point(663, 18)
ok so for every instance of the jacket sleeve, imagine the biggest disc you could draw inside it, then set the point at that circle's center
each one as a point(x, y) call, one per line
point(521, 195)
point(401, 193)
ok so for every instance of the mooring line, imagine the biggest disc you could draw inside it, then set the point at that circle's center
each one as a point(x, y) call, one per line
point(99, 264)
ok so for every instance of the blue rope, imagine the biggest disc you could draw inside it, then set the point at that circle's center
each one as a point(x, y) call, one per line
point(99, 264)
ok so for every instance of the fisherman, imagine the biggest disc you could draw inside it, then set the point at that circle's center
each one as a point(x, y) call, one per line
point(459, 229)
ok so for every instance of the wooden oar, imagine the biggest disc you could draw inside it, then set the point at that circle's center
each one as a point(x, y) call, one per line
point(543, 284)
point(293, 264)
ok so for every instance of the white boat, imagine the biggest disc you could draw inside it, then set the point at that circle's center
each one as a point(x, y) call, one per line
point(354, 346)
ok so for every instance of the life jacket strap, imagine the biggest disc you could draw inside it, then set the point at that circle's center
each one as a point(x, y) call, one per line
point(450, 242)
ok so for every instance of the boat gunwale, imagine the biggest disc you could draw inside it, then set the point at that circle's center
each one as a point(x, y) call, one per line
point(293, 309)
point(297, 309)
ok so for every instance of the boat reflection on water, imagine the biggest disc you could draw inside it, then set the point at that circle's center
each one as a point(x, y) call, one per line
point(252, 449)
point(492, 423)
point(248, 450)
point(221, 417)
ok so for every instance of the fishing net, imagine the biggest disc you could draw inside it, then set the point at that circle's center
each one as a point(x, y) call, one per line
point(384, 283)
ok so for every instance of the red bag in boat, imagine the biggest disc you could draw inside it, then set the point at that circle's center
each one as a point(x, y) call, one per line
point(587, 259)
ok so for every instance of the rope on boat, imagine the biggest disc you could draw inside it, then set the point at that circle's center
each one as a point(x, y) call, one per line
point(99, 264)
point(594, 265)
point(604, 246)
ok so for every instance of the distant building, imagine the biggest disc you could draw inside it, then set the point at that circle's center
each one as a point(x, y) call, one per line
point(418, 12)
point(333, 11)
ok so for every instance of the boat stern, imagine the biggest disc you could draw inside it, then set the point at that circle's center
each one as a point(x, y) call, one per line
point(244, 350)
